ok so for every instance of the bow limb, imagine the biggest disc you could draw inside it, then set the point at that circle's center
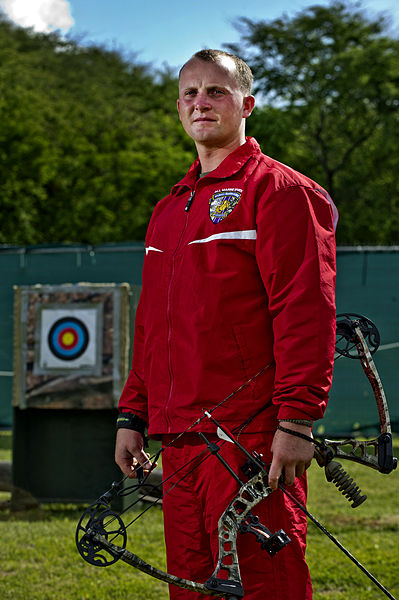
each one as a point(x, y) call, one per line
point(236, 518)
point(98, 529)
point(376, 453)
point(383, 459)
point(99, 526)
point(138, 563)
point(372, 375)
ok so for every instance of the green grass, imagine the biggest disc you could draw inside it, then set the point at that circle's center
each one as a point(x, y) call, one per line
point(370, 532)
point(39, 561)
point(5, 445)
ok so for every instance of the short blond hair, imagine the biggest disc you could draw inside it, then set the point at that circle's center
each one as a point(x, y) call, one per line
point(244, 75)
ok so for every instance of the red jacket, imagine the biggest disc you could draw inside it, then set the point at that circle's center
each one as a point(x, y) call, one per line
point(239, 273)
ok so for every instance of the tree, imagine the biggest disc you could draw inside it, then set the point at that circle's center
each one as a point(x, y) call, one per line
point(89, 141)
point(333, 75)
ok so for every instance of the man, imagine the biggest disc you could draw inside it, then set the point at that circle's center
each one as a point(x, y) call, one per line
point(238, 286)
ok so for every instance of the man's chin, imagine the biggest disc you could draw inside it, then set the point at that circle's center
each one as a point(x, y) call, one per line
point(205, 135)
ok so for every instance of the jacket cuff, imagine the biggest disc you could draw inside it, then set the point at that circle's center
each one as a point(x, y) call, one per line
point(287, 413)
point(128, 420)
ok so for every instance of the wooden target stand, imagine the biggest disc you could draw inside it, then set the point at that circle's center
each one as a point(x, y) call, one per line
point(71, 358)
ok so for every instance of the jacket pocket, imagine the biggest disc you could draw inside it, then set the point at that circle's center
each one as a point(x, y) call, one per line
point(255, 346)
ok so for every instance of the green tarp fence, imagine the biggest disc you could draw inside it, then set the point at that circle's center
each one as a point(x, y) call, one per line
point(367, 283)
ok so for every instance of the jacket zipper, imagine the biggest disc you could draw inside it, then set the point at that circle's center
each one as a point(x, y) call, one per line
point(169, 316)
point(190, 201)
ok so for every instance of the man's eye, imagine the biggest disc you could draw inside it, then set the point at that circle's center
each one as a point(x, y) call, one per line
point(190, 93)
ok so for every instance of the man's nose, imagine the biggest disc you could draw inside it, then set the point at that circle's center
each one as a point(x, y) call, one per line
point(202, 102)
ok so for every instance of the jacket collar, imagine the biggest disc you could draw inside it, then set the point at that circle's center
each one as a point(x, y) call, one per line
point(228, 167)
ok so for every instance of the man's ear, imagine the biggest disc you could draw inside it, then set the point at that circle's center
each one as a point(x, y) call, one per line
point(248, 106)
point(178, 108)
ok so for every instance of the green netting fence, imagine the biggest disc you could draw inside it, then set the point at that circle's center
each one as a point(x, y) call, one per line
point(367, 283)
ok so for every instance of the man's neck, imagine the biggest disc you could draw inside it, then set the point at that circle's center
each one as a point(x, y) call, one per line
point(211, 157)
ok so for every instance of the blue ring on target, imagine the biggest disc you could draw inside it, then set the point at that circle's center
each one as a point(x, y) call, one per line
point(68, 338)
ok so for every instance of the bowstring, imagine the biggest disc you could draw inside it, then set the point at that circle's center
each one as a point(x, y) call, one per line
point(238, 429)
point(155, 457)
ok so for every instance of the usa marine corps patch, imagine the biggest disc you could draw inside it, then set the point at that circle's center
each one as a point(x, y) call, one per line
point(222, 203)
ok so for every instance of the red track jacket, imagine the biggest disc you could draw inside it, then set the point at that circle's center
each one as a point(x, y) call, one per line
point(239, 274)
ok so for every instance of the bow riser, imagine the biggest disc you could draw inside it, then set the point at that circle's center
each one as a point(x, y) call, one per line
point(249, 495)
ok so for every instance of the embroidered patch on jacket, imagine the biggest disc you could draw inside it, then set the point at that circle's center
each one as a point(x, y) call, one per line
point(222, 203)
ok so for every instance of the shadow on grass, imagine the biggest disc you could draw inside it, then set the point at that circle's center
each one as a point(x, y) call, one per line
point(41, 512)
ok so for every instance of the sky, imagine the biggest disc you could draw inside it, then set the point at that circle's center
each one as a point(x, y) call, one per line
point(157, 31)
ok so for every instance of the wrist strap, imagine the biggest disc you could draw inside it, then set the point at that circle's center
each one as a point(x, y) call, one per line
point(298, 422)
point(131, 421)
point(297, 434)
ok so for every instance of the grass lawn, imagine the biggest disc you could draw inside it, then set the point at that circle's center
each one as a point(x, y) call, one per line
point(38, 558)
point(5, 445)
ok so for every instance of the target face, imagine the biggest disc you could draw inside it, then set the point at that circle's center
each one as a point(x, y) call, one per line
point(68, 338)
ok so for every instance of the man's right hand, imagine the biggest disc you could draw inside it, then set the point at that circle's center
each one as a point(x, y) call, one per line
point(129, 452)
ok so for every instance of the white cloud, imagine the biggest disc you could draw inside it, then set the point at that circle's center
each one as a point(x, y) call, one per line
point(41, 15)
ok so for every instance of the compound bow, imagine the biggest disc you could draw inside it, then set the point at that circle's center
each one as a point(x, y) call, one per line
point(101, 535)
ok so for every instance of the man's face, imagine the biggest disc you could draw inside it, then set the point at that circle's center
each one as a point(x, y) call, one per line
point(211, 106)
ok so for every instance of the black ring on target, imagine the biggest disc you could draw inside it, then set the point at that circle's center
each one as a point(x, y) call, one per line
point(68, 338)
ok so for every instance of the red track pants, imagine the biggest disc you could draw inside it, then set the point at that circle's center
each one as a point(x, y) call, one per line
point(192, 509)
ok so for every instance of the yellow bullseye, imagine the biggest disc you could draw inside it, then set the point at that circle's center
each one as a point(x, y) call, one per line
point(68, 338)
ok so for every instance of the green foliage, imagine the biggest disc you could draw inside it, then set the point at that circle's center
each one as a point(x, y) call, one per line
point(329, 77)
point(90, 139)
point(89, 142)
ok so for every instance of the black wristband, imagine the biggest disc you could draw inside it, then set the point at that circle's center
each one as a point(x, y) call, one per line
point(297, 434)
point(127, 420)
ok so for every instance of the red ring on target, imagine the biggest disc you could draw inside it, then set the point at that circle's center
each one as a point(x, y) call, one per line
point(68, 339)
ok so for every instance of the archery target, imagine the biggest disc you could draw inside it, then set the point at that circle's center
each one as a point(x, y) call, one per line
point(69, 338)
